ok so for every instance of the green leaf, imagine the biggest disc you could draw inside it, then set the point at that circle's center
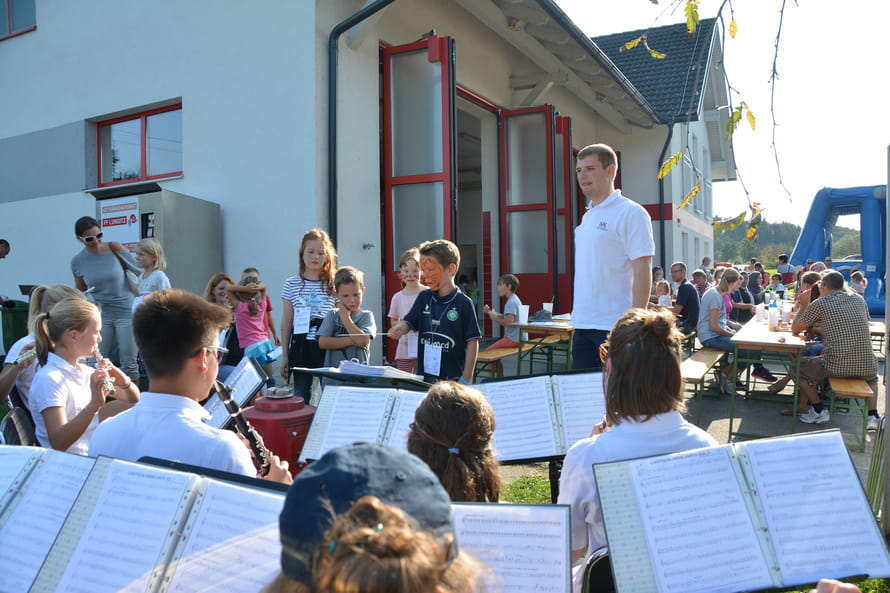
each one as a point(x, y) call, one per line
point(669, 164)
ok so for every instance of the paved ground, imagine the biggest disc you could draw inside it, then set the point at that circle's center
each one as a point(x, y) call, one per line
point(751, 416)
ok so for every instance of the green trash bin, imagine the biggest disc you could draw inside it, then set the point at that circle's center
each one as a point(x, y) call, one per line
point(15, 323)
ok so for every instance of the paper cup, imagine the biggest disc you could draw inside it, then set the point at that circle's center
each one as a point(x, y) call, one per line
point(523, 313)
point(548, 307)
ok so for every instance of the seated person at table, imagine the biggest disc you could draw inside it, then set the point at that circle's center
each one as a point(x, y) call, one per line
point(842, 318)
point(177, 333)
point(715, 330)
point(644, 400)
point(452, 432)
point(686, 305)
point(663, 292)
point(508, 284)
point(444, 318)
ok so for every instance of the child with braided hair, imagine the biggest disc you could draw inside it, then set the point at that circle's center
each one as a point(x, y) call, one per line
point(452, 431)
point(253, 318)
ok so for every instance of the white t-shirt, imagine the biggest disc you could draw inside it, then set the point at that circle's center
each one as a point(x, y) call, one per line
point(664, 433)
point(26, 377)
point(60, 385)
point(171, 427)
point(665, 300)
point(611, 235)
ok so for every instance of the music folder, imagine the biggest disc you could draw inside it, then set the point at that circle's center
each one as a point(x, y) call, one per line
point(766, 514)
point(246, 380)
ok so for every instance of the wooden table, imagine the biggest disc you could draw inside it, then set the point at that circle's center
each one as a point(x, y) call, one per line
point(878, 329)
point(755, 335)
point(546, 332)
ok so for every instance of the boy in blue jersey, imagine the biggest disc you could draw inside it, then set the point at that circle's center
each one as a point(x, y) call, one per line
point(444, 318)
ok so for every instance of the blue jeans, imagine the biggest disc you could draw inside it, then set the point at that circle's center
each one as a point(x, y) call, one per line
point(586, 348)
point(724, 343)
point(121, 330)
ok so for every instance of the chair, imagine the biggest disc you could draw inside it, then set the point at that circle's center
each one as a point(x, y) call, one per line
point(16, 428)
point(598, 573)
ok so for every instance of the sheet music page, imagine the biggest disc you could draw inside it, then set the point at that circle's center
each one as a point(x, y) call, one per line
point(117, 541)
point(701, 537)
point(232, 541)
point(244, 380)
point(14, 459)
point(353, 414)
point(37, 516)
point(526, 546)
point(628, 548)
point(402, 417)
point(581, 403)
point(219, 415)
point(524, 424)
point(818, 517)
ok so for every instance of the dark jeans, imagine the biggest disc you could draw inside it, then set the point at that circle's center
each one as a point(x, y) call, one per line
point(304, 353)
point(586, 348)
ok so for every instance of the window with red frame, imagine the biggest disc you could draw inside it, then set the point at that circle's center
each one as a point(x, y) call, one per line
point(17, 16)
point(140, 147)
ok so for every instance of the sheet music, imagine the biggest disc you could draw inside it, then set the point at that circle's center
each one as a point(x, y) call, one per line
point(245, 379)
point(526, 546)
point(525, 428)
point(118, 548)
point(402, 417)
point(232, 542)
point(582, 404)
point(697, 524)
point(344, 416)
point(815, 508)
point(14, 459)
point(37, 515)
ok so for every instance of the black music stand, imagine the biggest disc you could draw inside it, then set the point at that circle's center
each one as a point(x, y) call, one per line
point(367, 380)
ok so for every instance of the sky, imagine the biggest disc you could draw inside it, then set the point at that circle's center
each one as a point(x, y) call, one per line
point(830, 99)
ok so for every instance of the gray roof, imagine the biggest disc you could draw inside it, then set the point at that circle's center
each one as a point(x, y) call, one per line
point(673, 86)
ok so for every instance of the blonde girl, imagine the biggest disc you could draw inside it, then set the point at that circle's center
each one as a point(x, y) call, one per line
point(19, 369)
point(402, 301)
point(663, 292)
point(306, 298)
point(68, 397)
point(858, 282)
point(253, 318)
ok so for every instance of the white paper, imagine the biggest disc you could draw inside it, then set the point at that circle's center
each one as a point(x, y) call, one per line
point(524, 424)
point(411, 341)
point(402, 417)
point(13, 460)
point(526, 546)
point(301, 319)
point(121, 544)
point(816, 511)
point(353, 414)
point(432, 359)
point(28, 534)
point(697, 524)
point(582, 404)
point(233, 543)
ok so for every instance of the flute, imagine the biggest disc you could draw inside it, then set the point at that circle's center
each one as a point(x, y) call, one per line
point(254, 440)
point(25, 356)
point(108, 387)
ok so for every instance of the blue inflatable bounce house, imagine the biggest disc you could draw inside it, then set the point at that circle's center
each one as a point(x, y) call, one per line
point(814, 243)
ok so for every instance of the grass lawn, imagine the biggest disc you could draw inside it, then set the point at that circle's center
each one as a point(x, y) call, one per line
point(534, 487)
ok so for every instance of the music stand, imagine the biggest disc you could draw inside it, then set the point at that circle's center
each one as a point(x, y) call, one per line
point(367, 380)
point(246, 380)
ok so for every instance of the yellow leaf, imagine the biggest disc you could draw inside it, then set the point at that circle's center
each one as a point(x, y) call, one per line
point(751, 121)
point(752, 233)
point(691, 16)
point(728, 225)
point(689, 196)
point(669, 164)
point(631, 44)
point(733, 28)
point(656, 54)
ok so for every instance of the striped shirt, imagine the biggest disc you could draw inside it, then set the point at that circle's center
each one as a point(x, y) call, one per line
point(309, 293)
point(843, 318)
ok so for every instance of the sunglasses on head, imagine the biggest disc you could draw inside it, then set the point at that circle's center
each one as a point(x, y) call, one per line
point(604, 352)
point(91, 238)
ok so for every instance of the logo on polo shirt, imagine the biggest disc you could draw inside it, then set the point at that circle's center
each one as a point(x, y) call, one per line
point(603, 226)
point(452, 315)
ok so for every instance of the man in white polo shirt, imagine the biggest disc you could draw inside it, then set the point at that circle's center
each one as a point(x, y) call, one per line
point(613, 255)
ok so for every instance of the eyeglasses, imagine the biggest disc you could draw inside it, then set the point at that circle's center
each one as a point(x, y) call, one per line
point(604, 352)
point(220, 352)
point(91, 238)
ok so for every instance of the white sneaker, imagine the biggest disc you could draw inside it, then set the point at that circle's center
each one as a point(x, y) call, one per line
point(727, 385)
point(812, 417)
point(874, 422)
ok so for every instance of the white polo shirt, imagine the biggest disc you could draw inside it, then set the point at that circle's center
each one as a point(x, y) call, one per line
point(611, 235)
point(60, 385)
point(171, 427)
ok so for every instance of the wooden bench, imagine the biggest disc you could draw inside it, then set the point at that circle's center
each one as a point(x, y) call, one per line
point(851, 394)
point(694, 371)
point(489, 363)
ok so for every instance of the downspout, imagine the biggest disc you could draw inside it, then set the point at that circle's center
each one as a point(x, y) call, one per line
point(661, 157)
point(333, 56)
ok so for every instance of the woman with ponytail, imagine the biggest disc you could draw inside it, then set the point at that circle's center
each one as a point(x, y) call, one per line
point(452, 431)
point(68, 397)
point(644, 400)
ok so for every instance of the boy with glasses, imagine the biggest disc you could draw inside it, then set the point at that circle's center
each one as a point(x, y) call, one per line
point(177, 333)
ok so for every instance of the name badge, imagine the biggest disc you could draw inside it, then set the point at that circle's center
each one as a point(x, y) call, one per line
point(432, 359)
point(411, 342)
point(301, 320)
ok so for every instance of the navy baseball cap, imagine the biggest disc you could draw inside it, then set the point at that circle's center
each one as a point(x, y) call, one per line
point(331, 485)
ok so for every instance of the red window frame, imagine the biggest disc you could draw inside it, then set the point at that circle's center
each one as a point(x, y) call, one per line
point(8, 16)
point(143, 145)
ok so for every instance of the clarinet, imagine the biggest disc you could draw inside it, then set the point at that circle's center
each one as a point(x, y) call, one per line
point(254, 440)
